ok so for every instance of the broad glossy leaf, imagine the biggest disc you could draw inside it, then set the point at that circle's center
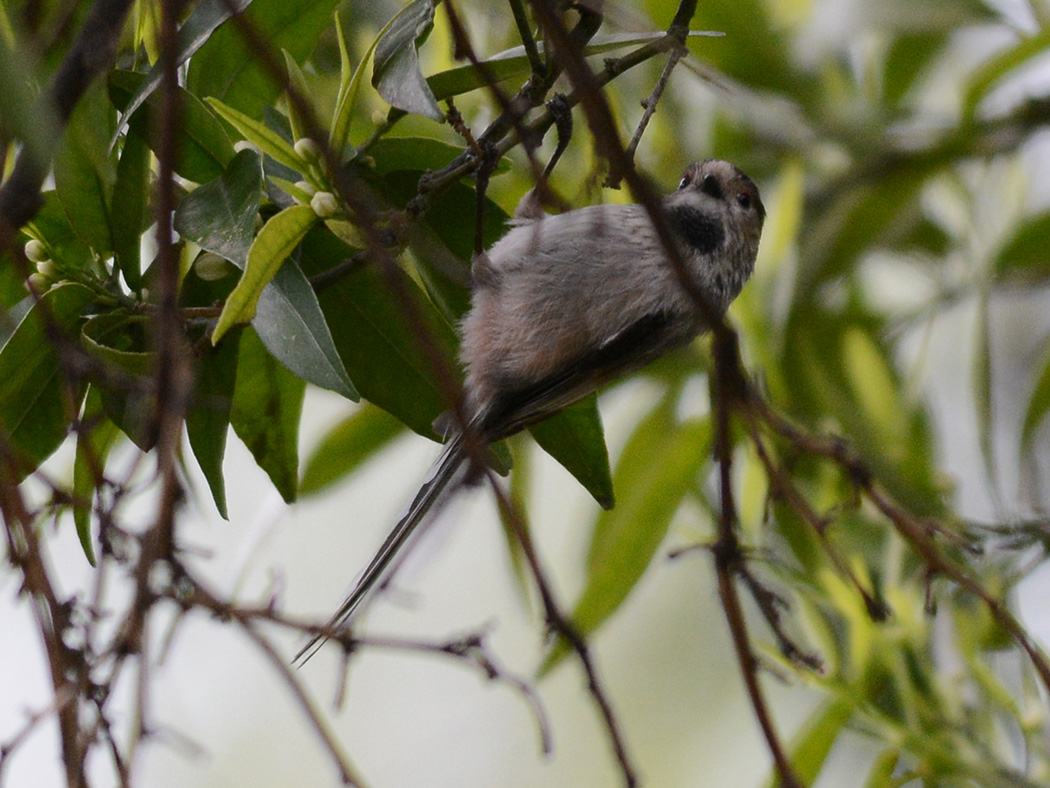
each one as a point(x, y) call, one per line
point(267, 407)
point(129, 210)
point(268, 251)
point(379, 348)
point(220, 216)
point(95, 438)
point(626, 538)
point(85, 171)
point(205, 18)
point(227, 68)
point(51, 227)
point(36, 404)
point(119, 341)
point(204, 149)
point(396, 74)
point(348, 445)
point(289, 321)
point(417, 154)
point(576, 439)
point(208, 420)
point(258, 133)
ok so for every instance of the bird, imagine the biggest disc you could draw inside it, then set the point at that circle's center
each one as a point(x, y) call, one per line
point(563, 304)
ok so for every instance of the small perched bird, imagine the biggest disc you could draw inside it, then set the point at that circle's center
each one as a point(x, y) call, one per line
point(563, 304)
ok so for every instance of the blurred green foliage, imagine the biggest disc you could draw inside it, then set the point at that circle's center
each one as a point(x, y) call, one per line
point(897, 145)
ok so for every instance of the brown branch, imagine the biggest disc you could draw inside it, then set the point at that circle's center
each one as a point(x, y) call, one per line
point(91, 54)
point(561, 625)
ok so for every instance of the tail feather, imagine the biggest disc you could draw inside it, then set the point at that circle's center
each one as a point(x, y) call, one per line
point(437, 481)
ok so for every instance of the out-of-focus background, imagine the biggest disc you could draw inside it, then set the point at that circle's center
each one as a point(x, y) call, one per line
point(900, 300)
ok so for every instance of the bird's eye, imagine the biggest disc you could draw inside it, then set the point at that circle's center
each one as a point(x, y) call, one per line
point(686, 180)
point(744, 199)
point(710, 186)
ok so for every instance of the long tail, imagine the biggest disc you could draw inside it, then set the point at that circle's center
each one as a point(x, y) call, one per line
point(437, 481)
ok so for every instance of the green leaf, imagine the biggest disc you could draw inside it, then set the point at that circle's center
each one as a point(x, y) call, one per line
point(194, 33)
point(417, 154)
point(349, 88)
point(227, 66)
point(266, 139)
point(204, 148)
point(626, 538)
point(85, 172)
point(208, 420)
point(1038, 403)
point(271, 248)
point(813, 743)
point(576, 439)
point(514, 62)
point(267, 407)
point(396, 74)
point(220, 216)
point(347, 446)
point(378, 346)
point(36, 403)
point(1026, 254)
point(881, 774)
point(290, 323)
point(1001, 66)
point(118, 340)
point(297, 83)
point(129, 211)
point(94, 440)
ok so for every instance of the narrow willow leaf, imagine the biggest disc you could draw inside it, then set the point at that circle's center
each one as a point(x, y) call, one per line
point(258, 133)
point(626, 538)
point(194, 33)
point(220, 216)
point(993, 71)
point(289, 321)
point(347, 446)
point(267, 408)
point(514, 62)
point(576, 439)
point(36, 405)
point(811, 747)
point(396, 74)
point(1026, 254)
point(1038, 404)
point(882, 771)
point(271, 248)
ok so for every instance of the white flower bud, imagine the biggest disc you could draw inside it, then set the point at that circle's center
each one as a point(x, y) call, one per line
point(245, 145)
point(210, 267)
point(36, 252)
point(324, 204)
point(308, 150)
point(49, 269)
point(307, 187)
point(38, 283)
